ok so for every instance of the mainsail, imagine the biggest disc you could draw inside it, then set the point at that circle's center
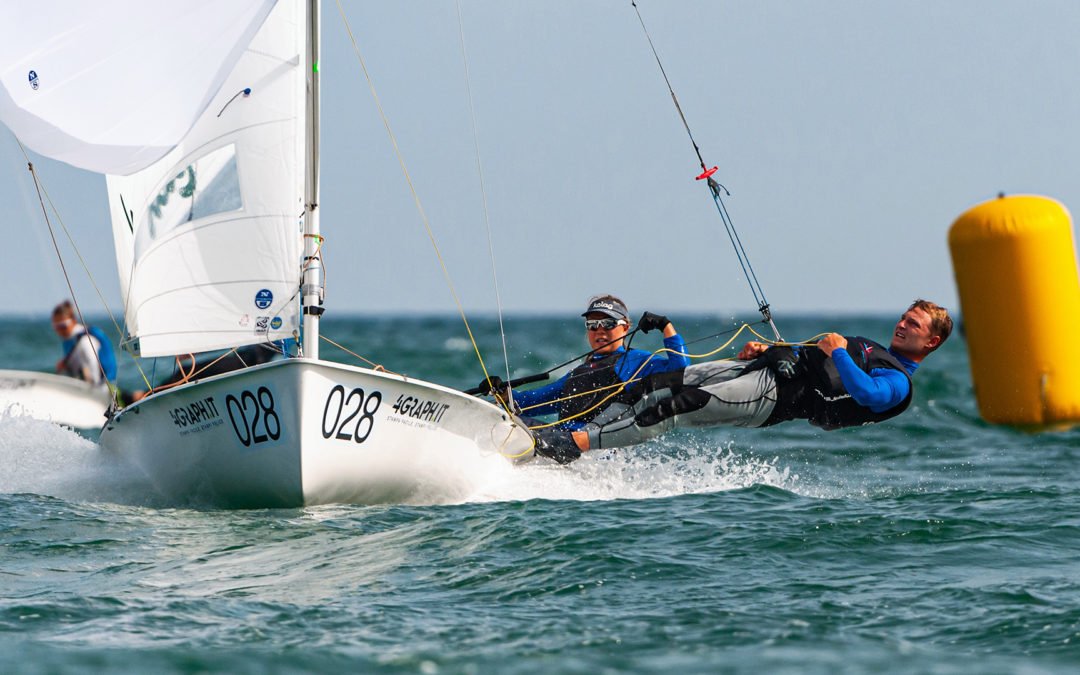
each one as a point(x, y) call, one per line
point(198, 117)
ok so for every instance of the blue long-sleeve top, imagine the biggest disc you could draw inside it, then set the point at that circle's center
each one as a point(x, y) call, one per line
point(881, 388)
point(546, 398)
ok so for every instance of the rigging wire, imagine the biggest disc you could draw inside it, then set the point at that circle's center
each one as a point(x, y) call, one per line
point(42, 191)
point(416, 197)
point(483, 196)
point(714, 190)
point(67, 280)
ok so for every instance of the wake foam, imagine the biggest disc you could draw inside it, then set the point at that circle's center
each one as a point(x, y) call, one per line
point(47, 459)
point(662, 468)
point(43, 458)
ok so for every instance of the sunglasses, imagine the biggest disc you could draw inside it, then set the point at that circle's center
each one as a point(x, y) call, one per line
point(606, 324)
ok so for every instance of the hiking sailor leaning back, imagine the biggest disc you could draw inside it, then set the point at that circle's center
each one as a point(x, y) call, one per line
point(608, 377)
point(839, 382)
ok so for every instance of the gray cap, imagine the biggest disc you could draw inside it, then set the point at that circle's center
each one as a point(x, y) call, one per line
point(613, 308)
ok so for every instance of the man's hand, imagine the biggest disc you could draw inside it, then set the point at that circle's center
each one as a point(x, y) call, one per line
point(752, 350)
point(830, 342)
point(650, 321)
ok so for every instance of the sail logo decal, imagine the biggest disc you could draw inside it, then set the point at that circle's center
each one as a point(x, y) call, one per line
point(34, 84)
point(264, 298)
point(196, 416)
point(275, 323)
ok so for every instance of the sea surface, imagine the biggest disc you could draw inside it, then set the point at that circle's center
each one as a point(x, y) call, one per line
point(932, 543)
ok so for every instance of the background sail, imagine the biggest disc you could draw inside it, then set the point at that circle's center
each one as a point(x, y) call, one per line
point(208, 238)
point(112, 85)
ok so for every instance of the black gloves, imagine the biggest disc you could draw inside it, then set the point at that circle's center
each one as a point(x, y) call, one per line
point(649, 321)
point(487, 387)
point(556, 444)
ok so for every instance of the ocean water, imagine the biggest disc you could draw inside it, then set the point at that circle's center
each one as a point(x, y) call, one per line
point(932, 543)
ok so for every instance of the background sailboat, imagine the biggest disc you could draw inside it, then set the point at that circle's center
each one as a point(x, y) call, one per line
point(53, 398)
point(215, 224)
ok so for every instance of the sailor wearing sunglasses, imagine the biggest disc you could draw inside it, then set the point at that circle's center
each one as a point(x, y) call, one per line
point(588, 390)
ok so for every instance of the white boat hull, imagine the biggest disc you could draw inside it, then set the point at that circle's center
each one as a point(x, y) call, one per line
point(301, 432)
point(53, 398)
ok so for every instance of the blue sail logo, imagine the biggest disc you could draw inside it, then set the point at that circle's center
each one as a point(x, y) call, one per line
point(33, 80)
point(264, 298)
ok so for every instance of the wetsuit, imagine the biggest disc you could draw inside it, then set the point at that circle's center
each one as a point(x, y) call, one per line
point(864, 384)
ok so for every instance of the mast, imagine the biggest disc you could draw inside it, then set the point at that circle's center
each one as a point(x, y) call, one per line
point(311, 284)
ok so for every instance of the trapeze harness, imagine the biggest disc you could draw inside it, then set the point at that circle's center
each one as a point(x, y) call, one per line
point(810, 387)
point(589, 384)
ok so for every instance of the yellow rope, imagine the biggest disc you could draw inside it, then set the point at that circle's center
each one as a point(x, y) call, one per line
point(416, 197)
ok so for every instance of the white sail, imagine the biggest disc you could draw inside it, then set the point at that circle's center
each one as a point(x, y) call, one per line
point(209, 237)
point(112, 85)
point(209, 230)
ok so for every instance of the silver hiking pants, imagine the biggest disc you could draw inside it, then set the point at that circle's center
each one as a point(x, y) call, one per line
point(745, 401)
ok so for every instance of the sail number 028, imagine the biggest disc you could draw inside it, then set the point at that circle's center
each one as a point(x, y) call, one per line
point(253, 417)
point(356, 407)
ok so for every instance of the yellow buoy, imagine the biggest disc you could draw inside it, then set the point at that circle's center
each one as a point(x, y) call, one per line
point(1015, 269)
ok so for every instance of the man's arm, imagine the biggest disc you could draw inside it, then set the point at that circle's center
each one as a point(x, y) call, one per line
point(676, 358)
point(542, 397)
point(878, 390)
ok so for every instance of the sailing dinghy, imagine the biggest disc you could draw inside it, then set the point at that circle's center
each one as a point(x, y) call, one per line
point(53, 398)
point(205, 119)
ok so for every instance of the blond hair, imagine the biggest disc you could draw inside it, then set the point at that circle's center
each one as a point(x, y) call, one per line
point(940, 321)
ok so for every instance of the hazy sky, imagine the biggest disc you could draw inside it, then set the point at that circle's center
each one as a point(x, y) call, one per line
point(850, 134)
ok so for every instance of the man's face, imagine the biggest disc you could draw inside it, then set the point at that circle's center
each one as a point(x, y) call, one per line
point(606, 340)
point(912, 337)
point(64, 326)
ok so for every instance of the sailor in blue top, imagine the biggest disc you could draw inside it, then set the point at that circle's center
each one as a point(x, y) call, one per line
point(591, 390)
point(88, 355)
point(840, 382)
